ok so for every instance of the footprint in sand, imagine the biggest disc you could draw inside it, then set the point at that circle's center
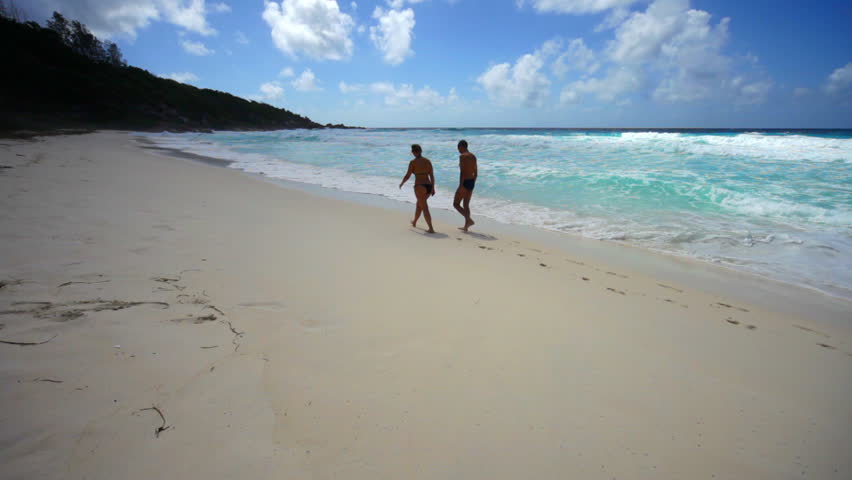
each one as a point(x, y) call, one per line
point(615, 291)
point(670, 288)
point(720, 304)
point(815, 332)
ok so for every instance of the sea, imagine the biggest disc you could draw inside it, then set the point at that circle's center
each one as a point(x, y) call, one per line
point(775, 203)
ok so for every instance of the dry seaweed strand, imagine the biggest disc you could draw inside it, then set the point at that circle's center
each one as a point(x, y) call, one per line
point(161, 428)
point(86, 283)
point(26, 344)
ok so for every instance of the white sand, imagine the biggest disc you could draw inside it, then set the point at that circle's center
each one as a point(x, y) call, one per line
point(347, 345)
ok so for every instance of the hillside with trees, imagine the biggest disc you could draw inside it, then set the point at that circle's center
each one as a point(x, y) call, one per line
point(63, 76)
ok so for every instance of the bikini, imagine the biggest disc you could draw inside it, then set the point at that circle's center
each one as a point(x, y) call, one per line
point(427, 186)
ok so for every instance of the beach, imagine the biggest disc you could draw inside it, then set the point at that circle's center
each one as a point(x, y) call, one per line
point(166, 318)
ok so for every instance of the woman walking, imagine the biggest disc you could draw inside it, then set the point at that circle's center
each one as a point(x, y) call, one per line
point(424, 185)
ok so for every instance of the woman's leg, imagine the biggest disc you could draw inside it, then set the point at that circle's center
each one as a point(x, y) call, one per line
point(427, 216)
point(420, 193)
point(417, 211)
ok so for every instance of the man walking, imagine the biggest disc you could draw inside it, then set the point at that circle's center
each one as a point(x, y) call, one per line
point(467, 180)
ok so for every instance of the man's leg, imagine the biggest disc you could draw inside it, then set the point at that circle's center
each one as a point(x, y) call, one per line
point(457, 201)
point(466, 206)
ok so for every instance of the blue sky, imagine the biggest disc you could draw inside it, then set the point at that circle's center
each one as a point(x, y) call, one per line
point(502, 63)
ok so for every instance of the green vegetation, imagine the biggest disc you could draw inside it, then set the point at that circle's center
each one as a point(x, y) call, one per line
point(62, 76)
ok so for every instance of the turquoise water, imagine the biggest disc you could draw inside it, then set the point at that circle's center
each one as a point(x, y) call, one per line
point(773, 203)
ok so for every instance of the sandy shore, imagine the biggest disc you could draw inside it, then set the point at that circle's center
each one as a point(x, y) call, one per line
point(285, 335)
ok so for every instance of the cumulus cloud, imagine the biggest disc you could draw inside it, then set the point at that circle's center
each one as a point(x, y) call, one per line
point(749, 92)
point(349, 88)
point(576, 6)
point(195, 48)
point(393, 33)
point(840, 80)
point(576, 57)
point(314, 28)
point(241, 38)
point(108, 18)
point(306, 82)
point(617, 82)
point(182, 77)
point(682, 49)
point(398, 4)
point(642, 36)
point(221, 7)
point(522, 83)
point(190, 15)
point(286, 72)
point(271, 91)
point(668, 51)
point(405, 95)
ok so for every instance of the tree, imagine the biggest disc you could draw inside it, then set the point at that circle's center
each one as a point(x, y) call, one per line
point(12, 12)
point(113, 55)
point(85, 43)
point(60, 25)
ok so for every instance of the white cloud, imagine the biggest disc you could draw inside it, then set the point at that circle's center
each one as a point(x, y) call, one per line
point(109, 18)
point(195, 48)
point(641, 37)
point(576, 6)
point(683, 49)
point(398, 4)
point(241, 38)
point(190, 15)
point(182, 77)
point(354, 5)
point(315, 28)
point(221, 7)
point(840, 80)
point(271, 91)
point(577, 57)
point(392, 34)
point(307, 82)
point(613, 86)
point(613, 19)
point(405, 95)
point(349, 88)
point(522, 83)
point(286, 72)
point(749, 93)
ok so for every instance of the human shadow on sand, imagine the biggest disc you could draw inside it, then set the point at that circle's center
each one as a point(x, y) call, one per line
point(424, 233)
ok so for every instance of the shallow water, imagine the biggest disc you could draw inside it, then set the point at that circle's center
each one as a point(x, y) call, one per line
point(775, 203)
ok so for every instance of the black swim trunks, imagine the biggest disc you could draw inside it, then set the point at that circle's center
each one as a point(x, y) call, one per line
point(469, 184)
point(428, 187)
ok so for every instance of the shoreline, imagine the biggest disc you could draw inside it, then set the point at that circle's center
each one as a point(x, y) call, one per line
point(718, 279)
point(153, 307)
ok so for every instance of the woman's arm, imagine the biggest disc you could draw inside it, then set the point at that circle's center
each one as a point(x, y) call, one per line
point(407, 174)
